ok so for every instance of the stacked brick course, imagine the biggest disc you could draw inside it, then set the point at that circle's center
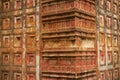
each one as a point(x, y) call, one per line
point(69, 40)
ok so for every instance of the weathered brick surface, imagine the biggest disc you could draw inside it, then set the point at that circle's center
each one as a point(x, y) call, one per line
point(59, 39)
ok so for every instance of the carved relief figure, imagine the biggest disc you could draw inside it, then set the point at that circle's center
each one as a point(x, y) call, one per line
point(5, 76)
point(102, 58)
point(6, 23)
point(110, 75)
point(109, 57)
point(18, 22)
point(108, 22)
point(31, 40)
point(18, 4)
point(30, 3)
point(5, 59)
point(102, 39)
point(31, 59)
point(116, 74)
point(17, 41)
point(6, 41)
point(17, 59)
point(109, 41)
point(115, 8)
point(108, 5)
point(102, 77)
point(31, 76)
point(17, 76)
point(115, 24)
point(30, 20)
point(101, 2)
point(6, 5)
point(101, 21)
point(115, 57)
point(115, 41)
